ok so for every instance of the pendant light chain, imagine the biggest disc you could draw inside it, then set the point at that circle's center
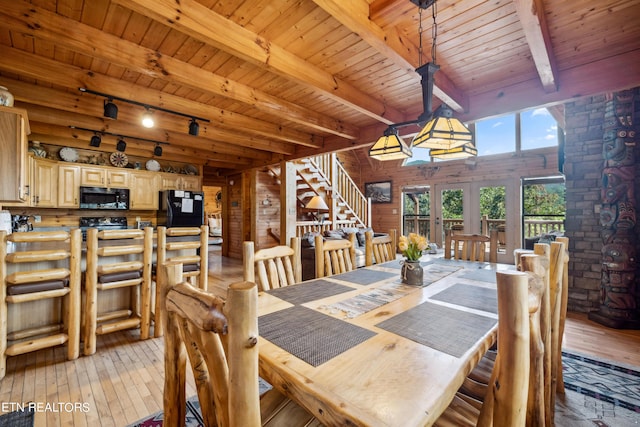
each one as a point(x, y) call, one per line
point(434, 32)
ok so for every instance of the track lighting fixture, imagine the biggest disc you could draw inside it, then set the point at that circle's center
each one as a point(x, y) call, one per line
point(110, 109)
point(121, 145)
point(147, 119)
point(95, 140)
point(194, 127)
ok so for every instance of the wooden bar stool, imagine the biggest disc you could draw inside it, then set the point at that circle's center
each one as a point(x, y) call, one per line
point(188, 246)
point(117, 259)
point(40, 290)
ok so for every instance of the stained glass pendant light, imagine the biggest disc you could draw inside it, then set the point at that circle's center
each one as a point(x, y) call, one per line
point(390, 147)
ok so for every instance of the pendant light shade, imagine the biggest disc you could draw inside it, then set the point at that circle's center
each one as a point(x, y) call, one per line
point(390, 147)
point(443, 131)
point(460, 152)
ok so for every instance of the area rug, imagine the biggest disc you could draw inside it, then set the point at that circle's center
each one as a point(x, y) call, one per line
point(17, 419)
point(602, 380)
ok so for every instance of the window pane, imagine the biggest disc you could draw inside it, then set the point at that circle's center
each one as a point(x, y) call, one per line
point(539, 129)
point(497, 135)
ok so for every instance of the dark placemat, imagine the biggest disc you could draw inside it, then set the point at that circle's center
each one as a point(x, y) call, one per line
point(18, 418)
point(309, 335)
point(470, 296)
point(460, 263)
point(309, 291)
point(363, 276)
point(442, 328)
point(480, 274)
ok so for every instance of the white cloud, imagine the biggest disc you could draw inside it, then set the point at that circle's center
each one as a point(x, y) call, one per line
point(540, 112)
point(550, 137)
point(496, 124)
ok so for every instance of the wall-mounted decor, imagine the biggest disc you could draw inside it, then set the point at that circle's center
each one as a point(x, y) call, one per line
point(379, 192)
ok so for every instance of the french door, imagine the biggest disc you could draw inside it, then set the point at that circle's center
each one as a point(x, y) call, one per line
point(478, 207)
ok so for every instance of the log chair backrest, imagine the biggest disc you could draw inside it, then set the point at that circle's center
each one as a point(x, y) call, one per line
point(471, 247)
point(335, 256)
point(274, 267)
point(220, 338)
point(379, 249)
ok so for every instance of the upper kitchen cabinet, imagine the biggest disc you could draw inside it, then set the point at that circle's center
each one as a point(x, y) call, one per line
point(104, 177)
point(68, 186)
point(14, 128)
point(172, 181)
point(144, 190)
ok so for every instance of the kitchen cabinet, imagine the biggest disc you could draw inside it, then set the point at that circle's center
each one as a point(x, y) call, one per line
point(172, 181)
point(14, 128)
point(144, 191)
point(68, 186)
point(103, 177)
point(44, 183)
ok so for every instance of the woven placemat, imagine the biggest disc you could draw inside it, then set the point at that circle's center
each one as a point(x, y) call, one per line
point(480, 274)
point(442, 328)
point(370, 300)
point(363, 276)
point(470, 296)
point(309, 335)
point(309, 291)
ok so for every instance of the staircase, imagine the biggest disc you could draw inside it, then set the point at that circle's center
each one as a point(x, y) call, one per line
point(324, 176)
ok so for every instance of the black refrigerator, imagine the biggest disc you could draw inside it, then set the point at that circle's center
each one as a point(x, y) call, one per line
point(180, 208)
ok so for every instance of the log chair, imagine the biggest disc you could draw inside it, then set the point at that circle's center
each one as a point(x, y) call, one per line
point(220, 339)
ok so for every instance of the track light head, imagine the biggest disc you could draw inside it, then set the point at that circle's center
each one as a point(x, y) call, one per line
point(95, 141)
point(194, 127)
point(147, 119)
point(121, 145)
point(157, 151)
point(110, 109)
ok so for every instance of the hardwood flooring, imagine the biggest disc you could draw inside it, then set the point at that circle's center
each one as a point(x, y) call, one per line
point(123, 381)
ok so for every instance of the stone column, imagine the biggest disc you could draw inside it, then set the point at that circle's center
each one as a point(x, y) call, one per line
point(620, 284)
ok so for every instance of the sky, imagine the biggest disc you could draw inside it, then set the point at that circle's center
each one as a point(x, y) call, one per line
point(497, 135)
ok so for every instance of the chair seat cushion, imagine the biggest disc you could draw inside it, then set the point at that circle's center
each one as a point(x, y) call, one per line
point(190, 267)
point(117, 277)
point(27, 288)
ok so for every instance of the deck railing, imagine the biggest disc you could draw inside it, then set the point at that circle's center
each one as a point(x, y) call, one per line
point(532, 227)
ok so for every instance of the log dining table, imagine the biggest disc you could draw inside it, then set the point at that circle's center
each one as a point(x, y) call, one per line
point(362, 349)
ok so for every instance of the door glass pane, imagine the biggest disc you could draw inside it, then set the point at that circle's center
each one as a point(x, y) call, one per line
point(493, 213)
point(416, 212)
point(452, 210)
point(544, 207)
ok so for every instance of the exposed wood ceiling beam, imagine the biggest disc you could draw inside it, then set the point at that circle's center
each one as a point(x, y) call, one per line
point(53, 72)
point(354, 14)
point(201, 23)
point(531, 15)
point(38, 22)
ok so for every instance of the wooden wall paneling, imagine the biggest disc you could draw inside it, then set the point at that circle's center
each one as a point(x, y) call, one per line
point(267, 208)
point(234, 225)
point(210, 204)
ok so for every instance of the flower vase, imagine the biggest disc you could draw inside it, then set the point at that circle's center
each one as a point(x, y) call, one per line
point(411, 273)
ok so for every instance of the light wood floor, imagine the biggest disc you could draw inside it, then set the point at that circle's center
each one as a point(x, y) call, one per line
point(123, 381)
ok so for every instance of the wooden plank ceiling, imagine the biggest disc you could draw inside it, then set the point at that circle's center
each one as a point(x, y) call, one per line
point(280, 79)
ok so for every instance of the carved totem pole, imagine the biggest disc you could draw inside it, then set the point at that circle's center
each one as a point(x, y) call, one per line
point(620, 283)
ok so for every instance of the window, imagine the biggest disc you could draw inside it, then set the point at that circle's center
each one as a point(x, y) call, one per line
point(538, 129)
point(497, 135)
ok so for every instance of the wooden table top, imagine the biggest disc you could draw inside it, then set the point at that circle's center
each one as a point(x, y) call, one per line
point(362, 349)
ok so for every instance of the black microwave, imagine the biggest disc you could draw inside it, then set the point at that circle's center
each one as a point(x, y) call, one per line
point(104, 198)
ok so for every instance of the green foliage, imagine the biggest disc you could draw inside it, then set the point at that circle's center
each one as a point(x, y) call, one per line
point(544, 199)
point(452, 204)
point(492, 202)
